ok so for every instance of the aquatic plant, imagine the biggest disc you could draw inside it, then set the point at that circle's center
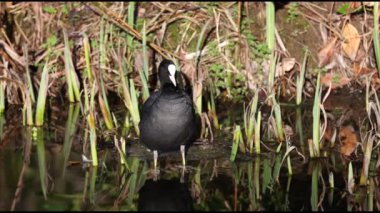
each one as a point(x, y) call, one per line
point(315, 146)
point(237, 142)
point(42, 95)
point(270, 25)
point(102, 97)
point(250, 123)
point(376, 42)
point(301, 80)
point(144, 74)
point(73, 86)
point(90, 109)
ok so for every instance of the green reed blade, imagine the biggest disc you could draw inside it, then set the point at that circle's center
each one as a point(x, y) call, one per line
point(197, 84)
point(237, 139)
point(144, 75)
point(316, 117)
point(257, 132)
point(102, 98)
point(71, 76)
point(28, 78)
point(87, 54)
point(314, 187)
point(2, 97)
point(366, 161)
point(94, 176)
point(135, 108)
point(70, 130)
point(301, 80)
point(278, 119)
point(270, 25)
point(272, 70)
point(376, 41)
point(131, 19)
point(42, 93)
point(42, 161)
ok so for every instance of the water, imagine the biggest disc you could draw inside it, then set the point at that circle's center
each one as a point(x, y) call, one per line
point(52, 166)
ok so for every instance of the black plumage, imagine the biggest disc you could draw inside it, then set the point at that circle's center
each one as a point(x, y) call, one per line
point(168, 118)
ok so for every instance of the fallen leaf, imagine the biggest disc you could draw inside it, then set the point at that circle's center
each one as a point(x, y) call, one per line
point(349, 140)
point(286, 65)
point(336, 80)
point(360, 70)
point(326, 53)
point(352, 41)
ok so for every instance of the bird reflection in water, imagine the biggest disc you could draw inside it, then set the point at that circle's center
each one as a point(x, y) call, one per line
point(164, 195)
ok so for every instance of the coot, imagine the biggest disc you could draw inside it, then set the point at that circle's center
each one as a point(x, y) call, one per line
point(168, 120)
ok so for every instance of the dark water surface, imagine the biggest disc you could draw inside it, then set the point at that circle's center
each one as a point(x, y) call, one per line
point(29, 167)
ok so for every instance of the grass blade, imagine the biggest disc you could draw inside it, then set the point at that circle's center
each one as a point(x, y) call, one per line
point(42, 93)
point(270, 22)
point(376, 41)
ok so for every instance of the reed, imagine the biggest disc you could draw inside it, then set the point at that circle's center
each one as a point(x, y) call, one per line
point(278, 119)
point(237, 140)
point(70, 130)
point(257, 132)
point(270, 25)
point(73, 86)
point(299, 128)
point(28, 78)
point(197, 82)
point(367, 145)
point(249, 120)
point(42, 161)
point(121, 150)
point(94, 177)
point(350, 179)
point(2, 97)
point(301, 80)
point(129, 94)
point(135, 107)
point(316, 119)
point(102, 98)
point(212, 108)
point(144, 75)
point(89, 107)
point(314, 186)
point(131, 21)
point(376, 41)
point(272, 71)
point(87, 54)
point(29, 95)
point(42, 95)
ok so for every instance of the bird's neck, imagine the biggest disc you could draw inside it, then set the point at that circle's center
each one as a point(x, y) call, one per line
point(168, 86)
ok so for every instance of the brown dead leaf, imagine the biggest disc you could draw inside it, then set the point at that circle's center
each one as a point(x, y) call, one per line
point(286, 65)
point(326, 53)
point(336, 80)
point(349, 140)
point(360, 70)
point(352, 41)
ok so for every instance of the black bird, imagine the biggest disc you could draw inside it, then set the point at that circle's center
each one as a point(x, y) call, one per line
point(168, 120)
point(164, 195)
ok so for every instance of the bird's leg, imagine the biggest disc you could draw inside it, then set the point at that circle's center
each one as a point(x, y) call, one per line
point(155, 156)
point(182, 175)
point(183, 155)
